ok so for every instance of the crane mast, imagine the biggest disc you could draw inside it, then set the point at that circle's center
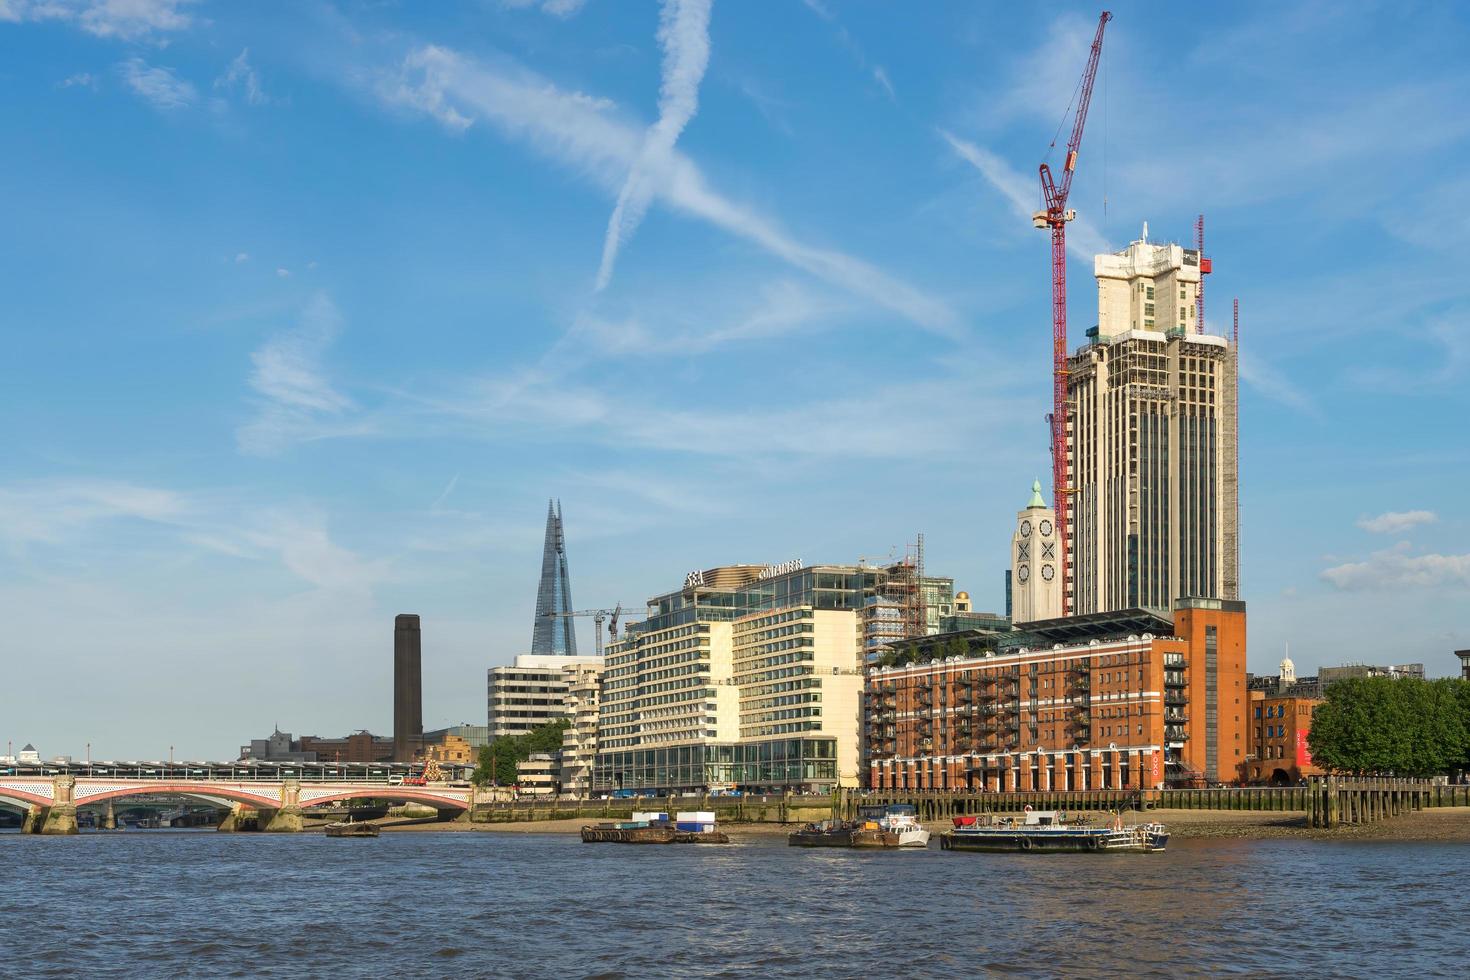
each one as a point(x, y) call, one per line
point(1055, 216)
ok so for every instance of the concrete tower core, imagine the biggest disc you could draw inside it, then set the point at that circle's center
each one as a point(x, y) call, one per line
point(408, 687)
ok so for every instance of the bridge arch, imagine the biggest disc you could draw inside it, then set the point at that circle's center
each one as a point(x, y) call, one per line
point(207, 793)
point(387, 794)
point(21, 799)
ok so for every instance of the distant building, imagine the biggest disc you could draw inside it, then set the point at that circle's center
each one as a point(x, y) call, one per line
point(1107, 701)
point(448, 747)
point(579, 741)
point(986, 622)
point(1464, 656)
point(277, 747)
point(1152, 438)
point(1278, 752)
point(28, 756)
point(531, 692)
point(537, 775)
point(554, 634)
point(477, 736)
point(1036, 583)
point(1328, 676)
point(360, 746)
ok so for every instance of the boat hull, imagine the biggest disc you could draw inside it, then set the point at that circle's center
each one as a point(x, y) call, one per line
point(1085, 841)
point(842, 838)
point(651, 835)
point(351, 830)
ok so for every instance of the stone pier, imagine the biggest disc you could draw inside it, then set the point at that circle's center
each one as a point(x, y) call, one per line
point(58, 818)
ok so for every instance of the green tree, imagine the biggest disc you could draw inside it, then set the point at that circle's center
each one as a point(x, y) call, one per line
point(1405, 726)
point(497, 761)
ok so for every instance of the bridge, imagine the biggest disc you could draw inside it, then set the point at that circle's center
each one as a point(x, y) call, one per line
point(50, 799)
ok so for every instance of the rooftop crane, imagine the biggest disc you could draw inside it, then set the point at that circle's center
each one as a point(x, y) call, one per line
point(1055, 216)
point(599, 616)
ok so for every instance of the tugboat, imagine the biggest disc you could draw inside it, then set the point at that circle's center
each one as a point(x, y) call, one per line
point(896, 825)
point(1046, 831)
point(346, 828)
point(901, 819)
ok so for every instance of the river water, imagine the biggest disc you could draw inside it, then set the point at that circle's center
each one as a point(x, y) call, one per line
point(182, 903)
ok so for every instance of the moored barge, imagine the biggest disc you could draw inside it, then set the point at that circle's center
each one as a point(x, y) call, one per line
point(1046, 832)
point(655, 828)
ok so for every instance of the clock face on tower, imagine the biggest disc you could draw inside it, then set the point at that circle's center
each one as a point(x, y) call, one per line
point(1047, 572)
point(1025, 529)
point(1045, 529)
point(1023, 573)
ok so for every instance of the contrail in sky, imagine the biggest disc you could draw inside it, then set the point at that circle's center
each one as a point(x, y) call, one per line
point(683, 32)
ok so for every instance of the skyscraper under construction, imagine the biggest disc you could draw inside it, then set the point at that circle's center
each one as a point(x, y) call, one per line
point(1153, 407)
point(554, 633)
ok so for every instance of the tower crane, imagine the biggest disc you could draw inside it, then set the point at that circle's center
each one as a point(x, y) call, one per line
point(1055, 217)
point(598, 616)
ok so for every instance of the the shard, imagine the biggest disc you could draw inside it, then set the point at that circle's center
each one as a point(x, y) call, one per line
point(554, 633)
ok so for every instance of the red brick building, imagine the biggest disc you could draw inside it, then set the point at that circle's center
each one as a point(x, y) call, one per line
point(1278, 752)
point(1105, 701)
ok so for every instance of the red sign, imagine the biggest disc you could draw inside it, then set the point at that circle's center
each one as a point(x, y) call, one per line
point(1303, 751)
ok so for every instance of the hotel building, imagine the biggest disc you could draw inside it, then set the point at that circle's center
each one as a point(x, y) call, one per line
point(747, 676)
point(1128, 700)
point(1152, 441)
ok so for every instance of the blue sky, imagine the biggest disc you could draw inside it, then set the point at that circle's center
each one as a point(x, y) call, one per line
point(309, 307)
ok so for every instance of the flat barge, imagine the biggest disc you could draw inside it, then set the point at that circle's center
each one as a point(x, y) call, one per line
point(1044, 832)
point(655, 828)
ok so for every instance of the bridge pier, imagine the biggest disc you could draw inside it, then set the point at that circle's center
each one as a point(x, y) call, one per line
point(109, 817)
point(60, 817)
point(285, 820)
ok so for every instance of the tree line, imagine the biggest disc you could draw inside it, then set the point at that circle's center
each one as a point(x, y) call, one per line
point(1404, 726)
point(497, 761)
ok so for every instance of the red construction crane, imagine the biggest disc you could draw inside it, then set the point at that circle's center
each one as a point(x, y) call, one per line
point(1056, 217)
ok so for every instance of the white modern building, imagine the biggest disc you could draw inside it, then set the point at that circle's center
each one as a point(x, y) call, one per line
point(531, 692)
point(1152, 441)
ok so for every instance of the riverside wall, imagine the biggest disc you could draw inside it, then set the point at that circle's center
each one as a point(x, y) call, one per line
point(1346, 801)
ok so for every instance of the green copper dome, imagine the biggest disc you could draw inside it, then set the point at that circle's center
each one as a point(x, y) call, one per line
point(1036, 500)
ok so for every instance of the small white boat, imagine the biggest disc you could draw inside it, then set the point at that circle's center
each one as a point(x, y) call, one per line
point(903, 820)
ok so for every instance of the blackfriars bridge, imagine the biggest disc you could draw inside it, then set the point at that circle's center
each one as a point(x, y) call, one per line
point(275, 805)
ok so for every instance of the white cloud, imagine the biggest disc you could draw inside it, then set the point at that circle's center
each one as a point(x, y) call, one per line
point(158, 86)
point(880, 75)
point(556, 8)
point(683, 33)
point(283, 273)
point(1396, 569)
point(1024, 194)
point(1275, 385)
point(242, 257)
point(54, 510)
point(79, 80)
point(126, 20)
point(1395, 522)
point(581, 133)
point(241, 75)
point(296, 400)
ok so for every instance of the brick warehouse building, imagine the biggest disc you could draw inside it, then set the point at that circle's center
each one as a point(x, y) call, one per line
point(1123, 700)
point(1277, 752)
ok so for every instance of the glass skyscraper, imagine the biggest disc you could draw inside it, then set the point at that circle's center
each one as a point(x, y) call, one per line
point(554, 634)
